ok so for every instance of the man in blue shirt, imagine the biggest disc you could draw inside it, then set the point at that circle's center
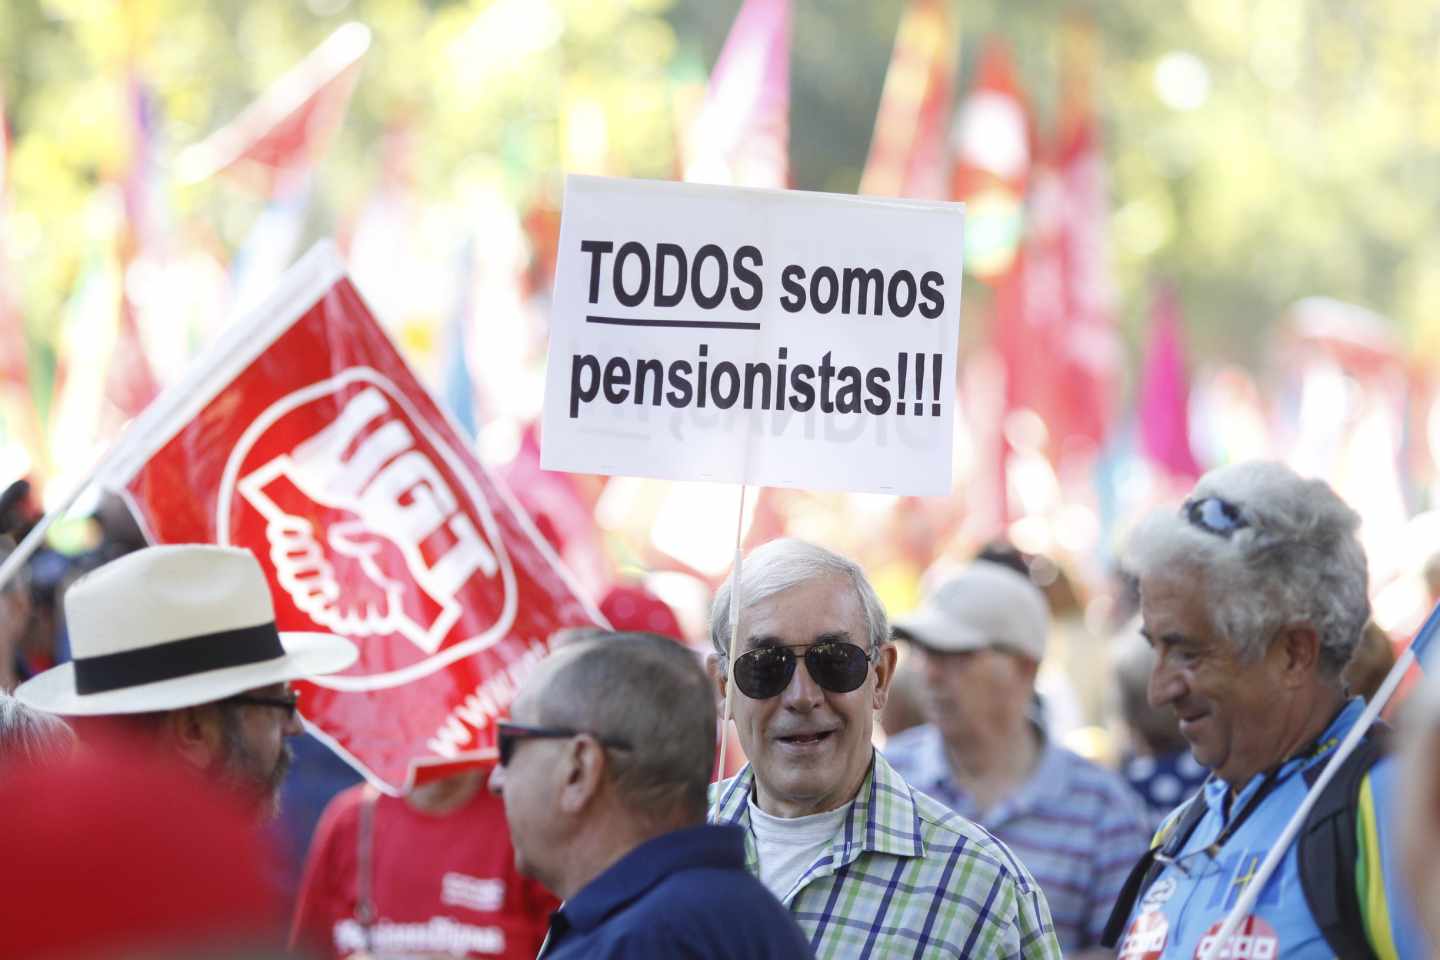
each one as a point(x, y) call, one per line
point(604, 769)
point(979, 638)
point(1253, 596)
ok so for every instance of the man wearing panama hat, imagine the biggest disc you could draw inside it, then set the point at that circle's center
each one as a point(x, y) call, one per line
point(178, 644)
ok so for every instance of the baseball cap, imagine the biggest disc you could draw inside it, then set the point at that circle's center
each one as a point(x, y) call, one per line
point(985, 605)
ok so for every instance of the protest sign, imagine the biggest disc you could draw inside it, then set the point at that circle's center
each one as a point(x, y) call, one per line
point(765, 337)
point(303, 437)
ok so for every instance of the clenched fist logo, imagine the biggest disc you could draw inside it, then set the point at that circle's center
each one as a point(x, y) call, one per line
point(357, 518)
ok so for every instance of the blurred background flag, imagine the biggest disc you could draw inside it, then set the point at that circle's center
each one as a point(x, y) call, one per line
point(20, 430)
point(1165, 392)
point(273, 147)
point(131, 382)
point(909, 150)
point(291, 124)
point(1090, 351)
point(993, 149)
point(742, 135)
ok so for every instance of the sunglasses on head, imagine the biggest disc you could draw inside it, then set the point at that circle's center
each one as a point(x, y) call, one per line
point(835, 665)
point(1215, 515)
point(508, 736)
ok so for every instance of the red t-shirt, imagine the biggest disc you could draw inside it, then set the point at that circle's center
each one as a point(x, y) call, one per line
point(442, 885)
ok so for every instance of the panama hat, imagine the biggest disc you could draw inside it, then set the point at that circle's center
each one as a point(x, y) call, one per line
point(175, 626)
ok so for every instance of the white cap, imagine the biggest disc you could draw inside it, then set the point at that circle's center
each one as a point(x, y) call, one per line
point(986, 605)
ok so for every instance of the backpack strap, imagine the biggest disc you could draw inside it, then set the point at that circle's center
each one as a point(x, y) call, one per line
point(1170, 840)
point(1328, 849)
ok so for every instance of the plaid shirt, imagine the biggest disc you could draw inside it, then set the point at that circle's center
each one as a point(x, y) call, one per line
point(905, 877)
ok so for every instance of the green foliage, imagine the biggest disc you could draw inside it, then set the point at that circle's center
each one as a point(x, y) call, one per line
point(1310, 167)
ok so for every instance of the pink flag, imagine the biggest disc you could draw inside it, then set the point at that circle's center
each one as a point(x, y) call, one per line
point(1165, 393)
point(908, 150)
point(131, 382)
point(742, 136)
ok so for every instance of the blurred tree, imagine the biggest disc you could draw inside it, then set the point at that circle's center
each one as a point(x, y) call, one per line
point(1259, 151)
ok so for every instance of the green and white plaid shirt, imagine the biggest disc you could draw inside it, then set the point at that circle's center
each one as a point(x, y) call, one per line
point(905, 877)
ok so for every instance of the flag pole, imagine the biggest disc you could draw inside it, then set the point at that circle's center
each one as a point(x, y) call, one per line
point(1251, 893)
point(734, 636)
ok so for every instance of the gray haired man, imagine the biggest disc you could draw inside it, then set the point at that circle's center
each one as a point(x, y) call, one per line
point(1254, 596)
point(868, 866)
point(603, 768)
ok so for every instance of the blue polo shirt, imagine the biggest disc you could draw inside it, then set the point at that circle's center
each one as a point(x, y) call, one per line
point(1182, 911)
point(1076, 826)
point(684, 894)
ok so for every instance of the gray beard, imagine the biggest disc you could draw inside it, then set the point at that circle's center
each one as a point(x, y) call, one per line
point(240, 771)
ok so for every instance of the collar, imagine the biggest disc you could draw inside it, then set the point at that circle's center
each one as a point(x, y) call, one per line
point(1046, 783)
point(647, 865)
point(882, 818)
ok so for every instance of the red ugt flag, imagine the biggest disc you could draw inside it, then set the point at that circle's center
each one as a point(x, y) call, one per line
point(303, 437)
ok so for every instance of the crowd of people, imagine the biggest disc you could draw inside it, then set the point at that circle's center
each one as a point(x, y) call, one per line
point(146, 759)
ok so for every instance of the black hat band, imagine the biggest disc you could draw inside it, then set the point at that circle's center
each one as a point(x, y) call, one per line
point(177, 658)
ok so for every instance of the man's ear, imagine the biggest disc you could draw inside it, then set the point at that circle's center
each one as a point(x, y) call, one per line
point(580, 773)
point(885, 660)
point(717, 674)
point(1296, 654)
point(196, 733)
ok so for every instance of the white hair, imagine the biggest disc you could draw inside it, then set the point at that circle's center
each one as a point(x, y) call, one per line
point(1296, 559)
point(28, 735)
point(777, 566)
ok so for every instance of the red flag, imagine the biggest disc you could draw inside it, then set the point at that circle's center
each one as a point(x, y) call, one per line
point(742, 136)
point(1089, 352)
point(992, 163)
point(1165, 393)
point(289, 127)
point(909, 149)
point(304, 437)
point(562, 513)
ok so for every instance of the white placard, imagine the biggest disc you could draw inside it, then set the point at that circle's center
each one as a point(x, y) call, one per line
point(769, 337)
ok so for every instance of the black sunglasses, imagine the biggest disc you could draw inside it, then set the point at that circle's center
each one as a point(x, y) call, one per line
point(290, 703)
point(1215, 515)
point(508, 736)
point(835, 665)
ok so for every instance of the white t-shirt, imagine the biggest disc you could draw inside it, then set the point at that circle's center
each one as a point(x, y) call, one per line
point(787, 847)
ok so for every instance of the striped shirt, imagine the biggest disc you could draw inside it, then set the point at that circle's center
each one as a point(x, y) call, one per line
point(905, 877)
point(1078, 827)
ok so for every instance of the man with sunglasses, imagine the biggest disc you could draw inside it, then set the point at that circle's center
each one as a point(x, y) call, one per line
point(1253, 596)
point(868, 866)
point(175, 647)
point(979, 638)
point(603, 769)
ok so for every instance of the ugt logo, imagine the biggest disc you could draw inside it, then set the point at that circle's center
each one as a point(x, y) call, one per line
point(342, 486)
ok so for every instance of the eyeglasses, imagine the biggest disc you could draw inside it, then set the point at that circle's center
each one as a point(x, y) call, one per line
point(509, 735)
point(836, 666)
point(290, 703)
point(1215, 515)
